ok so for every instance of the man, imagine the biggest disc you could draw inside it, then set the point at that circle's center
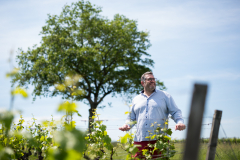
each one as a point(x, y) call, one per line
point(152, 106)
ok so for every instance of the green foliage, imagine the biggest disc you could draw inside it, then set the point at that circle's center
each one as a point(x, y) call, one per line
point(20, 91)
point(127, 144)
point(69, 145)
point(163, 143)
point(5, 152)
point(19, 141)
point(160, 85)
point(6, 119)
point(69, 108)
point(98, 141)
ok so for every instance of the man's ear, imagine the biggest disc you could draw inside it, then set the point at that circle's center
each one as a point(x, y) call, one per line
point(142, 83)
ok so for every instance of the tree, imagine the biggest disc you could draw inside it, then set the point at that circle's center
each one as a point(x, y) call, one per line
point(108, 54)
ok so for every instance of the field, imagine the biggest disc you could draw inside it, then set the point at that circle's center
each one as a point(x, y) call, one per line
point(224, 152)
point(97, 144)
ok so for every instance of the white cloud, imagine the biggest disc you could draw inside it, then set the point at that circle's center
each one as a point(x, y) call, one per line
point(165, 21)
point(208, 77)
point(186, 20)
point(182, 86)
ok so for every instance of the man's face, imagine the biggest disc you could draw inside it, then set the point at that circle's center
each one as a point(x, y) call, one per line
point(149, 85)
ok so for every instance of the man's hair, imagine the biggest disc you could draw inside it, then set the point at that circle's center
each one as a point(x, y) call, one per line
point(143, 76)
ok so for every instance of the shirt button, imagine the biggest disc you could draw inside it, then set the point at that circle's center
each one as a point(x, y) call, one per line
point(146, 124)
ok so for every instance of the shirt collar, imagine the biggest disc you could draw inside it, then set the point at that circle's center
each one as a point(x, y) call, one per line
point(153, 91)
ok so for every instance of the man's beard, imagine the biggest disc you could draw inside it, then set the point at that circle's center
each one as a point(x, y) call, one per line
point(150, 88)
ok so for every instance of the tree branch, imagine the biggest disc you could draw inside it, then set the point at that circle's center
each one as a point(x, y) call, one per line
point(105, 94)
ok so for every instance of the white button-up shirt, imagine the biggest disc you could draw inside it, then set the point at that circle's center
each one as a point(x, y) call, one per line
point(150, 111)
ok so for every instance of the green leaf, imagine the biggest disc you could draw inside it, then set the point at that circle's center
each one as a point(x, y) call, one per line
point(42, 138)
point(107, 139)
point(133, 150)
point(169, 132)
point(20, 91)
point(105, 133)
point(159, 145)
point(79, 115)
point(103, 128)
point(123, 139)
point(153, 136)
point(73, 155)
point(128, 157)
point(67, 107)
point(166, 138)
point(144, 151)
point(127, 112)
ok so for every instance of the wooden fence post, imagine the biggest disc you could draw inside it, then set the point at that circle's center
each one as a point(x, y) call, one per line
point(214, 135)
point(195, 122)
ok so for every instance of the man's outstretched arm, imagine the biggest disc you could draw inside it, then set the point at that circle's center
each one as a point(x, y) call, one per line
point(131, 117)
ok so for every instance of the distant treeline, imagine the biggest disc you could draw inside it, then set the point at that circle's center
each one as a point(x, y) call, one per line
point(221, 140)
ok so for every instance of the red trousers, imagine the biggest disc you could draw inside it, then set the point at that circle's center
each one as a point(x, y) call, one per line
point(144, 145)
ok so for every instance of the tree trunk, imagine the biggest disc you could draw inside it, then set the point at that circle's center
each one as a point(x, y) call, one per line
point(40, 157)
point(90, 120)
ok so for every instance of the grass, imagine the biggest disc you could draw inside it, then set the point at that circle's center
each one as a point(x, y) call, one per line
point(224, 152)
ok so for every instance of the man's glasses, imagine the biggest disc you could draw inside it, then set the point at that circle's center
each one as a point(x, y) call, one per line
point(151, 79)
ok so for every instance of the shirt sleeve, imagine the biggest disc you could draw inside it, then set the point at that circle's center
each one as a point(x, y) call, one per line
point(131, 118)
point(175, 112)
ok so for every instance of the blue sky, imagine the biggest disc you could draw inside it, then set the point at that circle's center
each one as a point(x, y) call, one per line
point(192, 41)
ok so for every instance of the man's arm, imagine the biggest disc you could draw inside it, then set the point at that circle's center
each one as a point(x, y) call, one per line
point(176, 114)
point(131, 117)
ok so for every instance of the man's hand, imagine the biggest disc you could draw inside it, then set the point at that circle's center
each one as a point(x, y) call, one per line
point(125, 127)
point(180, 126)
